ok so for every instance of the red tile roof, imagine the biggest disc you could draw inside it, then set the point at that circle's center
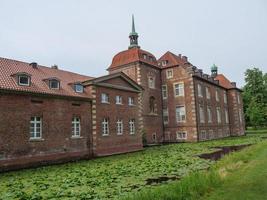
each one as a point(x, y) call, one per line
point(172, 60)
point(132, 55)
point(223, 81)
point(10, 67)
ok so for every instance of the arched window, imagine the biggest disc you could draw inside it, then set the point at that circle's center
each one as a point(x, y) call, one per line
point(152, 103)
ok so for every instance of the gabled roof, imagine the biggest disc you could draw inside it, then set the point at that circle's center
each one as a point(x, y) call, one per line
point(9, 68)
point(101, 81)
point(132, 55)
point(224, 82)
point(172, 60)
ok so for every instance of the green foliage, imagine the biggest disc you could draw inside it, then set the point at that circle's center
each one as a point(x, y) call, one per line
point(256, 113)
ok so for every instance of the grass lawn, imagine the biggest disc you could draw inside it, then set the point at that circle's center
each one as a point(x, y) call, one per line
point(116, 176)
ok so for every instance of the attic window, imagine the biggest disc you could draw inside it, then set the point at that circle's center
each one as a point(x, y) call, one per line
point(54, 84)
point(24, 80)
point(145, 56)
point(164, 62)
point(151, 58)
point(78, 88)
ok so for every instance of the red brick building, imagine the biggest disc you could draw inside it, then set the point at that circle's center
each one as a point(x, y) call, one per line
point(50, 115)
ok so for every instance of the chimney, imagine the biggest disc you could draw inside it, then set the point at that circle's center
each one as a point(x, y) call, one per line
point(180, 55)
point(33, 65)
point(184, 58)
point(233, 84)
point(54, 67)
point(200, 72)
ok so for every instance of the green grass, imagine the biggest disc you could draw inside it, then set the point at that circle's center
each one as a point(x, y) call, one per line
point(117, 176)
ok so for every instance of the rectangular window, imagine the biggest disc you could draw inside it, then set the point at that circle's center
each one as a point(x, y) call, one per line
point(36, 128)
point(119, 127)
point(181, 135)
point(179, 89)
point(209, 114)
point(180, 114)
point(24, 80)
point(151, 82)
point(54, 84)
point(238, 98)
point(118, 99)
point(164, 92)
point(226, 116)
point(132, 126)
point(203, 135)
point(201, 114)
point(165, 116)
point(105, 127)
point(76, 127)
point(208, 93)
point(211, 135)
point(218, 110)
point(217, 95)
point(104, 98)
point(224, 97)
point(240, 115)
point(78, 88)
point(199, 90)
point(130, 101)
point(169, 73)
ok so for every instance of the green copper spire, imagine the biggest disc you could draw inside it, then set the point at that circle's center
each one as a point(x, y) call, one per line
point(214, 70)
point(133, 36)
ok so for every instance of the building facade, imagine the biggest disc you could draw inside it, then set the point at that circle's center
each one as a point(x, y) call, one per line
point(49, 115)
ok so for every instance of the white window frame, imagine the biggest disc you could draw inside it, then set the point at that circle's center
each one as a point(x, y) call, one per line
point(178, 87)
point(118, 100)
point(130, 101)
point(224, 97)
point(181, 116)
point(208, 93)
point(181, 135)
point(24, 76)
point(132, 126)
point(76, 127)
point(201, 114)
point(217, 96)
point(33, 129)
point(55, 81)
point(226, 116)
point(209, 113)
point(104, 98)
point(219, 115)
point(164, 90)
point(199, 90)
point(119, 127)
point(151, 82)
point(105, 127)
point(164, 62)
point(165, 114)
point(168, 76)
point(80, 86)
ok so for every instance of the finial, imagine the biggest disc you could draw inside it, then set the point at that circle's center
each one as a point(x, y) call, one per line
point(133, 36)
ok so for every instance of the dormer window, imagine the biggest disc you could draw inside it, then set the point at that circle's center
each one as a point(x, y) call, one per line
point(145, 56)
point(151, 58)
point(78, 88)
point(24, 80)
point(54, 84)
point(164, 62)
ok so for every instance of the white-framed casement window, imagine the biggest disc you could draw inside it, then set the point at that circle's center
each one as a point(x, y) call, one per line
point(104, 98)
point(201, 114)
point(181, 135)
point(164, 92)
point(24, 80)
point(226, 116)
point(132, 126)
point(217, 95)
point(105, 127)
point(219, 119)
point(180, 113)
point(36, 128)
point(240, 115)
point(130, 101)
point(118, 99)
point(178, 89)
point(209, 114)
point(165, 116)
point(199, 90)
point(54, 84)
point(224, 97)
point(119, 127)
point(208, 92)
point(203, 135)
point(169, 73)
point(76, 127)
point(151, 82)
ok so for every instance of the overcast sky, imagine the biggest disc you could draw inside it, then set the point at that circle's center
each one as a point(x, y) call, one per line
point(83, 36)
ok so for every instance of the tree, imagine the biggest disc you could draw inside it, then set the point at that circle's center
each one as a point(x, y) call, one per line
point(256, 113)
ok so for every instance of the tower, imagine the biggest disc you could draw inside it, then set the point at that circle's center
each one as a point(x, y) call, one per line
point(214, 70)
point(133, 36)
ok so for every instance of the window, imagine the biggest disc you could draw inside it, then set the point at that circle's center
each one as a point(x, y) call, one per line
point(104, 98)
point(145, 56)
point(154, 137)
point(118, 99)
point(219, 120)
point(78, 88)
point(165, 116)
point(203, 135)
point(164, 92)
point(201, 114)
point(76, 127)
point(36, 128)
point(180, 114)
point(224, 97)
point(217, 95)
point(169, 73)
point(119, 127)
point(105, 127)
point(238, 98)
point(208, 93)
point(211, 135)
point(130, 101)
point(132, 126)
point(54, 84)
point(181, 135)
point(151, 82)
point(209, 114)
point(164, 62)
point(240, 115)
point(24, 80)
point(199, 90)
point(152, 103)
point(179, 89)
point(226, 116)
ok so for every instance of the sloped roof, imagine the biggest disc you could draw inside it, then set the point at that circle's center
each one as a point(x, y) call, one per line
point(8, 68)
point(132, 55)
point(172, 60)
point(223, 81)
